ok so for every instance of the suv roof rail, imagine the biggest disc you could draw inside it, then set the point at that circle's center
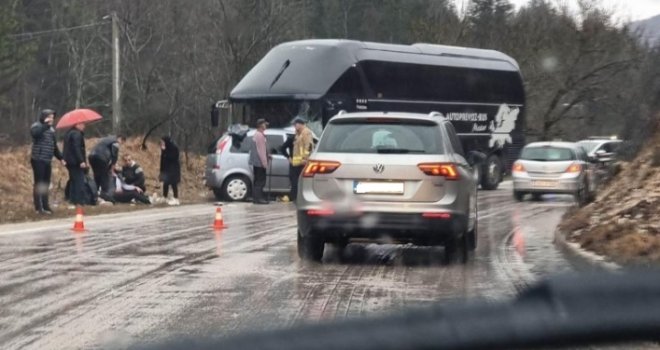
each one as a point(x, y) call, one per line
point(222, 104)
point(437, 115)
point(613, 137)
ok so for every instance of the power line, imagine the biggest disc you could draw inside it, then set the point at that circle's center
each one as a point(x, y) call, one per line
point(29, 35)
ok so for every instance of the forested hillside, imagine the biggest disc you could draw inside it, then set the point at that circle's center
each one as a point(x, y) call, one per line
point(584, 74)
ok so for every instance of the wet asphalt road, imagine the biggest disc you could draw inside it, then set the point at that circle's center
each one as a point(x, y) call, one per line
point(160, 274)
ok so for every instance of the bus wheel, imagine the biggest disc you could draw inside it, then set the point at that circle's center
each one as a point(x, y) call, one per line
point(491, 173)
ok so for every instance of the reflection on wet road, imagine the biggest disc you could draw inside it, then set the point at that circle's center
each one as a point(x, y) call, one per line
point(153, 275)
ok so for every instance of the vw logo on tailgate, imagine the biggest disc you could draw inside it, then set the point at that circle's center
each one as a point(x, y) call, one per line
point(379, 168)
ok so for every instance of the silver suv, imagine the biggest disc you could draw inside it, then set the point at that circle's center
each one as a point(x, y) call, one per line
point(228, 173)
point(390, 178)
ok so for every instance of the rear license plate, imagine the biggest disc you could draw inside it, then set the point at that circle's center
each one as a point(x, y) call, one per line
point(372, 187)
point(544, 184)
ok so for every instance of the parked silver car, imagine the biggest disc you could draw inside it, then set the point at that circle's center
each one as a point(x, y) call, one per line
point(228, 172)
point(553, 167)
point(601, 148)
point(388, 177)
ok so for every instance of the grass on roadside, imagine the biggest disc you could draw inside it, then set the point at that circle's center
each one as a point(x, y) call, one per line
point(624, 221)
point(16, 181)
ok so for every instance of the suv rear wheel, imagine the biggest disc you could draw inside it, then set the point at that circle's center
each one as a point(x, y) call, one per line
point(473, 234)
point(519, 196)
point(457, 249)
point(310, 248)
point(236, 188)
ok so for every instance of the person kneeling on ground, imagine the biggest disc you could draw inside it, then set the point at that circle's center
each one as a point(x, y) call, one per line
point(125, 193)
point(103, 158)
point(132, 173)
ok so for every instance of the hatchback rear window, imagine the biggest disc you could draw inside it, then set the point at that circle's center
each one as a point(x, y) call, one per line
point(547, 154)
point(241, 144)
point(362, 136)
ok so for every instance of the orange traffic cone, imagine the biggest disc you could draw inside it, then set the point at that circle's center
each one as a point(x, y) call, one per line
point(79, 225)
point(218, 223)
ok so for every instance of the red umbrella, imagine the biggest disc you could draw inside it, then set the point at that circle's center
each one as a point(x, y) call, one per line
point(78, 116)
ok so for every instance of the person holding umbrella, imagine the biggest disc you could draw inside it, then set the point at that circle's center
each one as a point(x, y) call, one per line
point(44, 148)
point(74, 151)
point(76, 164)
point(170, 169)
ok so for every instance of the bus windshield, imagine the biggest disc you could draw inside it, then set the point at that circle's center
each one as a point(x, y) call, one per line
point(279, 113)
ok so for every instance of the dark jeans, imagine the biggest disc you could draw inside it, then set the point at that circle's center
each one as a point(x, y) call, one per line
point(259, 183)
point(294, 176)
point(108, 197)
point(101, 170)
point(166, 189)
point(77, 185)
point(41, 170)
point(128, 196)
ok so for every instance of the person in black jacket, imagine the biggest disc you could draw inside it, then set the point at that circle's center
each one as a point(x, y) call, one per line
point(170, 169)
point(103, 158)
point(132, 173)
point(74, 156)
point(44, 148)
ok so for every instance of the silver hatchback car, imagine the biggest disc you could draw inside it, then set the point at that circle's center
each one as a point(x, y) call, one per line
point(553, 168)
point(389, 178)
point(228, 173)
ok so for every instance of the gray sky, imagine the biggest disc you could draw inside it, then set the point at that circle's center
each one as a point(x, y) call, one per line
point(624, 10)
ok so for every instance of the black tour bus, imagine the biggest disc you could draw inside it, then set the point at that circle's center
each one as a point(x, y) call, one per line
point(480, 91)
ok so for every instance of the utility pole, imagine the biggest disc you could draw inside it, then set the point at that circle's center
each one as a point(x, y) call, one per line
point(116, 81)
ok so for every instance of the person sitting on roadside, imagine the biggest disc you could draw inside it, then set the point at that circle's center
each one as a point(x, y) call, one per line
point(123, 192)
point(132, 173)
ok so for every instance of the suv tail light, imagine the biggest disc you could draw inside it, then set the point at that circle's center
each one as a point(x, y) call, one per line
point(448, 170)
point(314, 167)
point(221, 145)
point(574, 168)
point(320, 212)
point(433, 215)
point(518, 168)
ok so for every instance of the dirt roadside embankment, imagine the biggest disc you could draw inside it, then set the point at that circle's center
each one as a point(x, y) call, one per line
point(623, 223)
point(16, 181)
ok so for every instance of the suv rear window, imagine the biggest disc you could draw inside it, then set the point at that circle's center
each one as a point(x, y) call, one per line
point(547, 154)
point(397, 137)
